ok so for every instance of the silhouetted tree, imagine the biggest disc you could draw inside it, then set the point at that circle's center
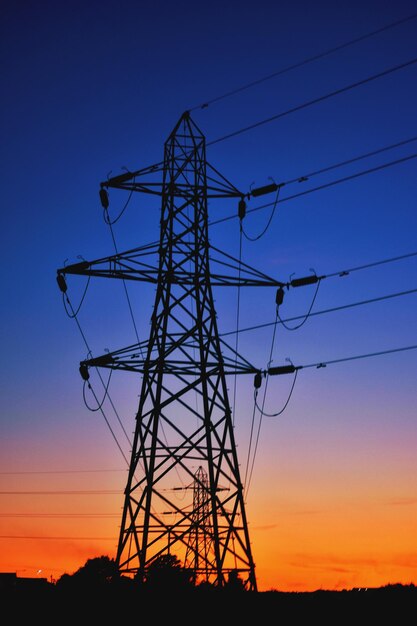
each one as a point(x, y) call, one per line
point(234, 582)
point(96, 572)
point(166, 573)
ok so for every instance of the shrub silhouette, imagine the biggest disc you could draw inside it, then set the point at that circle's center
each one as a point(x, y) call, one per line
point(167, 573)
point(96, 572)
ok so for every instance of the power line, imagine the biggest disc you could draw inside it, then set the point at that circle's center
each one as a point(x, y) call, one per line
point(366, 155)
point(350, 177)
point(62, 471)
point(324, 311)
point(300, 179)
point(37, 538)
point(62, 515)
point(358, 268)
point(356, 357)
point(294, 66)
point(61, 493)
point(65, 297)
point(295, 369)
point(129, 304)
point(320, 187)
point(286, 369)
point(315, 101)
point(250, 470)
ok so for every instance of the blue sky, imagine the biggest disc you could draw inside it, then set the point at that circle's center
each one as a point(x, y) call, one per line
point(90, 88)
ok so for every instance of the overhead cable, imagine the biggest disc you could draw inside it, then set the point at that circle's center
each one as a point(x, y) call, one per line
point(320, 187)
point(104, 386)
point(360, 157)
point(294, 66)
point(309, 103)
point(358, 268)
point(285, 369)
point(129, 304)
point(323, 311)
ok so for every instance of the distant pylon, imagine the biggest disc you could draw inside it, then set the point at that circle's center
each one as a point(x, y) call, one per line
point(200, 537)
point(184, 431)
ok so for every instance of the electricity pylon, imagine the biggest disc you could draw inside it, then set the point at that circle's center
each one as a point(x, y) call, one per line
point(184, 430)
point(200, 536)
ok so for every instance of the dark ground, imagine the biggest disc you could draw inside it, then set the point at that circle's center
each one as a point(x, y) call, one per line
point(395, 604)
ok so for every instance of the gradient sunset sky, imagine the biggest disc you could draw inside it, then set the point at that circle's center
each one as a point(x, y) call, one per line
point(293, 88)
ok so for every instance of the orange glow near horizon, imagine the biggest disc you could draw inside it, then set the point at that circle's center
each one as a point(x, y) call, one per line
point(287, 558)
point(327, 508)
point(323, 104)
point(325, 539)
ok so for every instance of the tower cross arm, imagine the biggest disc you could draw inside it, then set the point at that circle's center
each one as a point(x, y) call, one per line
point(149, 180)
point(133, 264)
point(140, 264)
point(134, 181)
point(141, 358)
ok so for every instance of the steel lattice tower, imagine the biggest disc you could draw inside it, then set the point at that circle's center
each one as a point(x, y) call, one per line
point(200, 540)
point(184, 419)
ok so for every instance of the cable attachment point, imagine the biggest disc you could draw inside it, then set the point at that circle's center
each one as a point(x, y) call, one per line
point(104, 198)
point(265, 189)
point(242, 209)
point(257, 380)
point(279, 297)
point(62, 283)
point(84, 371)
point(262, 191)
point(305, 280)
point(282, 369)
